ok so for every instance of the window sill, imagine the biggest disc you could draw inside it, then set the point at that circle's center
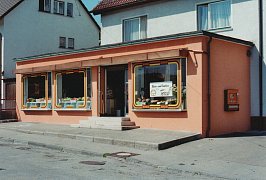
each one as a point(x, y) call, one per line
point(220, 30)
point(72, 109)
point(159, 110)
point(36, 109)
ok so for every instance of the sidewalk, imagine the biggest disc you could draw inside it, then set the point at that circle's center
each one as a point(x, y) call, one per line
point(240, 157)
point(144, 139)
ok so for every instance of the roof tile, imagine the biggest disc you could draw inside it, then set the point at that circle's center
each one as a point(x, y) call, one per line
point(7, 5)
point(107, 5)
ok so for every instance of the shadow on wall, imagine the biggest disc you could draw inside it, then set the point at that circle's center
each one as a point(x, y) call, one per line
point(158, 115)
point(39, 113)
point(74, 113)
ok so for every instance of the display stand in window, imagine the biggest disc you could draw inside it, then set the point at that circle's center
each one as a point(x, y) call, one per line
point(36, 93)
point(73, 90)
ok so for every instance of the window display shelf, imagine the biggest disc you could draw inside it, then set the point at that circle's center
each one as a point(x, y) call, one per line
point(72, 109)
point(159, 110)
point(73, 105)
point(36, 109)
point(38, 105)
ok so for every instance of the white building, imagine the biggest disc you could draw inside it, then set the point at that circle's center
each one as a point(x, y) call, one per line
point(34, 27)
point(133, 20)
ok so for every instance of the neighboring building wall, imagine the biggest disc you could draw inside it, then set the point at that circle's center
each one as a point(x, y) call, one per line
point(29, 32)
point(177, 16)
point(264, 61)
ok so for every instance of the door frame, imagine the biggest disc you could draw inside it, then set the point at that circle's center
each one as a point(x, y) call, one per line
point(103, 89)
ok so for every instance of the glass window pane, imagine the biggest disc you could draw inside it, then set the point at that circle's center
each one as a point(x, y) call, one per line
point(89, 89)
point(69, 9)
point(61, 8)
point(131, 29)
point(70, 90)
point(203, 17)
point(62, 42)
point(47, 6)
point(143, 27)
point(71, 43)
point(220, 14)
point(157, 85)
point(35, 92)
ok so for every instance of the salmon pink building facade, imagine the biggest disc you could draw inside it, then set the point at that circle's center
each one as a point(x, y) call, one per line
point(196, 81)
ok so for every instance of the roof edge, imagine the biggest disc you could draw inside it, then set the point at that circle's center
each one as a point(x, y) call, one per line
point(7, 12)
point(88, 12)
point(137, 42)
point(130, 4)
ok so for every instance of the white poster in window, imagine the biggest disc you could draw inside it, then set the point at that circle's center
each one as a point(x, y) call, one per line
point(161, 89)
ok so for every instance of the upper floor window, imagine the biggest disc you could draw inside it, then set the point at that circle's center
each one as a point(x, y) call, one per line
point(214, 15)
point(71, 43)
point(45, 5)
point(70, 9)
point(59, 7)
point(135, 28)
point(62, 42)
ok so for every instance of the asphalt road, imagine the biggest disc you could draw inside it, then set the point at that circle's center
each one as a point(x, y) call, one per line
point(20, 161)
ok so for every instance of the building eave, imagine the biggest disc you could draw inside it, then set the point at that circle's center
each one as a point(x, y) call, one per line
point(138, 42)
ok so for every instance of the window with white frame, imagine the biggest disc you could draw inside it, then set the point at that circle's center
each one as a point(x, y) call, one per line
point(135, 28)
point(59, 7)
point(71, 43)
point(70, 9)
point(214, 15)
point(45, 5)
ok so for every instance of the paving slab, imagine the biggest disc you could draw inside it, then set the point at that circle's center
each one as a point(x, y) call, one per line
point(146, 139)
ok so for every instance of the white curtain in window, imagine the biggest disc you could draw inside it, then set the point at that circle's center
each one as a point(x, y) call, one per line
point(143, 27)
point(203, 17)
point(220, 14)
point(131, 29)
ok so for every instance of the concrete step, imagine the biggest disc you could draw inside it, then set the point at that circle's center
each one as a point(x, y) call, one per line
point(125, 118)
point(113, 123)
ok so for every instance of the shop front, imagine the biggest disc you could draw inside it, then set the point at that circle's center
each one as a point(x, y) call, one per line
point(161, 83)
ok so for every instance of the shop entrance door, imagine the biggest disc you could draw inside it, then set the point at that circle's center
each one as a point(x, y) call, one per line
point(116, 91)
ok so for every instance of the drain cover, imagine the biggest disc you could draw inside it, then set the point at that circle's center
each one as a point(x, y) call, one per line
point(123, 154)
point(92, 163)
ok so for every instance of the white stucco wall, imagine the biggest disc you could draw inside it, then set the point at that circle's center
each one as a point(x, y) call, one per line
point(28, 32)
point(178, 16)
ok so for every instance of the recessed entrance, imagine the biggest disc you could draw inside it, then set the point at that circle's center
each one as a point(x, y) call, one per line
point(116, 91)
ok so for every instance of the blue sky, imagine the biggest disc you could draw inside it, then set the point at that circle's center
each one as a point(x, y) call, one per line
point(90, 4)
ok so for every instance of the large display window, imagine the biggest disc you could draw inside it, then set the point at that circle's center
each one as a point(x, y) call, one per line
point(36, 91)
point(158, 85)
point(73, 89)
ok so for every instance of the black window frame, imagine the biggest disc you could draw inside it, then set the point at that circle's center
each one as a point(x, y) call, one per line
point(42, 6)
point(60, 45)
point(72, 47)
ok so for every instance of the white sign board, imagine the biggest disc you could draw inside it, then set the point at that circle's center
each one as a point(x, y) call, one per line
point(161, 89)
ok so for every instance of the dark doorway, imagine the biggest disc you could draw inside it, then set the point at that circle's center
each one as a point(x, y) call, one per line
point(115, 91)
